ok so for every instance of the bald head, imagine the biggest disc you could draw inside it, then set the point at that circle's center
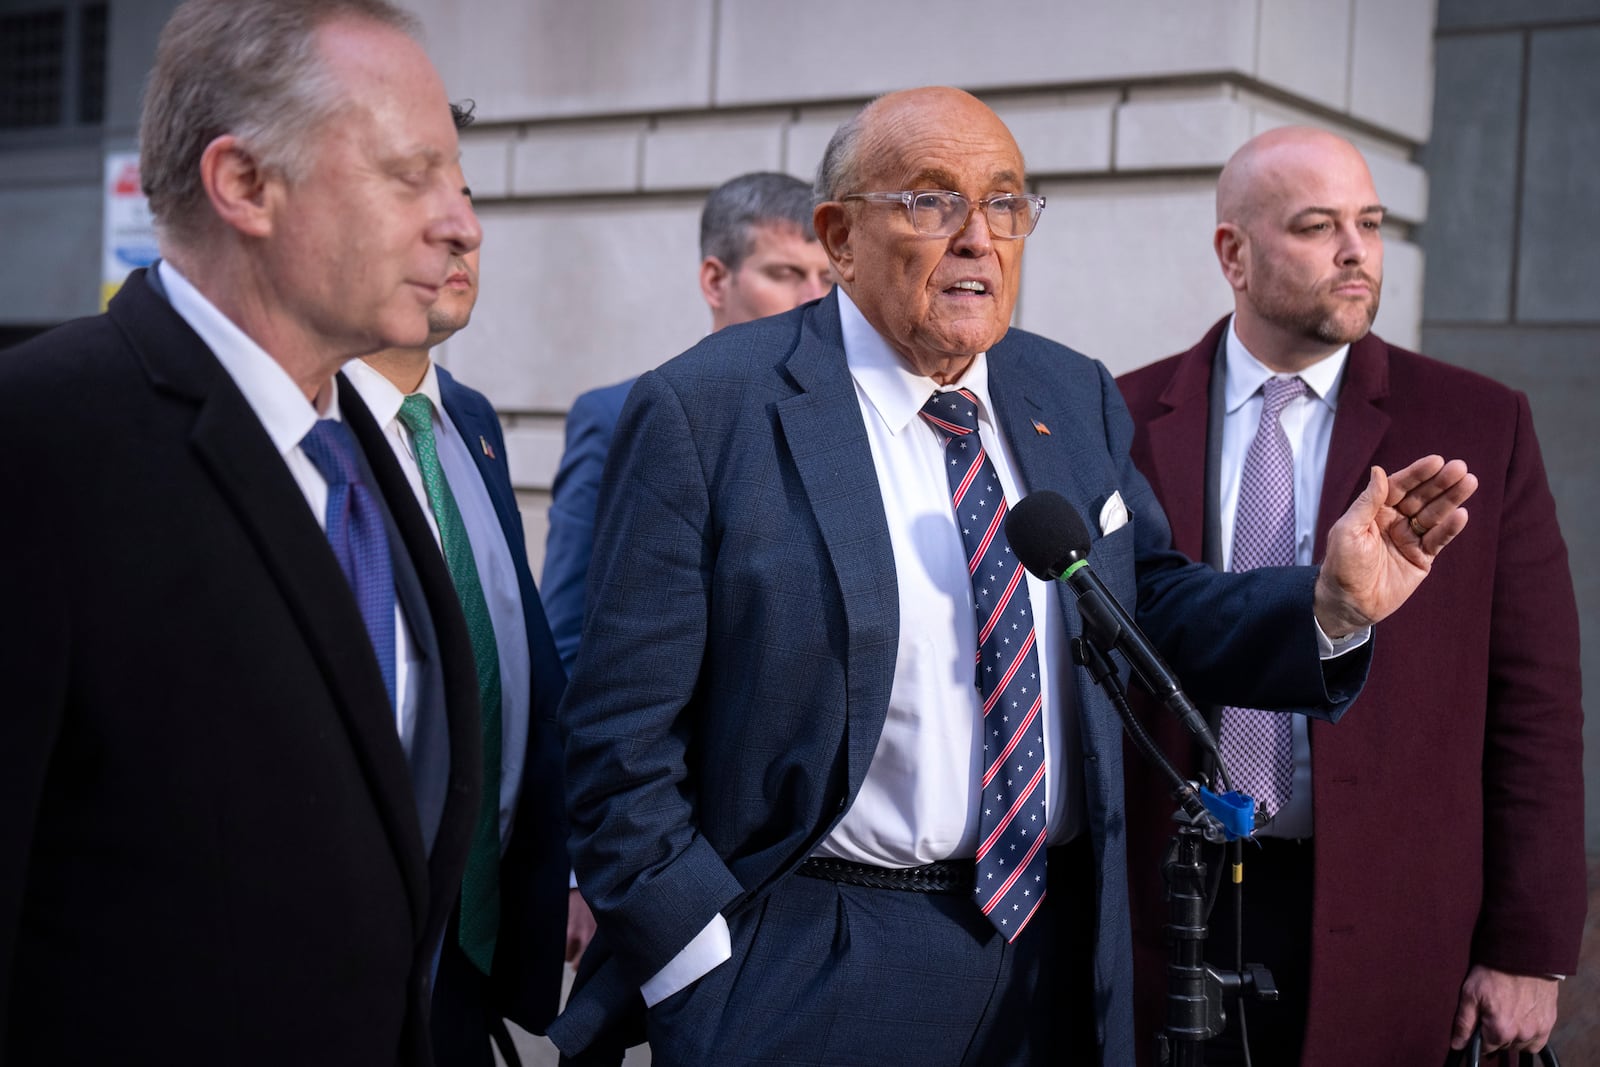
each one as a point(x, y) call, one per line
point(1299, 239)
point(1281, 160)
point(897, 118)
point(904, 120)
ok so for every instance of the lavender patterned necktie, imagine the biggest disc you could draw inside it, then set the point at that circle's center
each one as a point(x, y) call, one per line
point(1258, 746)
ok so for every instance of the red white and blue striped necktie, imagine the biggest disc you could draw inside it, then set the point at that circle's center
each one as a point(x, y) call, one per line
point(1011, 813)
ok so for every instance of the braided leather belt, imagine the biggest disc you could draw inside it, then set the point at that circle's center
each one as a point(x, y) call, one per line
point(946, 876)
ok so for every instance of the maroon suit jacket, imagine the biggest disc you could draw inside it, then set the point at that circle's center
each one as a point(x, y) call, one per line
point(1449, 803)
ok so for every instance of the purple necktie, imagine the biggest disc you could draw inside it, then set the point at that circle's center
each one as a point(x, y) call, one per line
point(355, 530)
point(1011, 814)
point(1258, 746)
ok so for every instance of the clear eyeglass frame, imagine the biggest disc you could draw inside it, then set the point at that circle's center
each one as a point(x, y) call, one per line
point(944, 213)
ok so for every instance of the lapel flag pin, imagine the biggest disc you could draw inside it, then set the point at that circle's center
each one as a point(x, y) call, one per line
point(488, 451)
point(1040, 428)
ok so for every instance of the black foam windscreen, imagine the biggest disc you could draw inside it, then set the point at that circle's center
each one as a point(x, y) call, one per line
point(1046, 533)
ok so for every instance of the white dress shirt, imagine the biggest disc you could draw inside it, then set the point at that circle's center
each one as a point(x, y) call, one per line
point(1308, 423)
point(287, 417)
point(916, 804)
point(496, 572)
point(917, 801)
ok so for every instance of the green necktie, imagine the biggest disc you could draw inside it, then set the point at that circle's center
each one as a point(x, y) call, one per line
point(480, 887)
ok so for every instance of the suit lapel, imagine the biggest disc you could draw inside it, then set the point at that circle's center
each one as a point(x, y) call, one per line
point(251, 475)
point(823, 428)
point(1358, 428)
point(1046, 431)
point(1066, 460)
point(481, 431)
point(479, 437)
point(456, 664)
point(1178, 445)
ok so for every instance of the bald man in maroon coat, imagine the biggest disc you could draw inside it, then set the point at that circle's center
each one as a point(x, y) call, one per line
point(1427, 873)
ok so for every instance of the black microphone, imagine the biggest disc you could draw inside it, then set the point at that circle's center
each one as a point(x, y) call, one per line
point(1050, 539)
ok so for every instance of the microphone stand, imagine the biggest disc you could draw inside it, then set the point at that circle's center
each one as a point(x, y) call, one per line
point(1195, 991)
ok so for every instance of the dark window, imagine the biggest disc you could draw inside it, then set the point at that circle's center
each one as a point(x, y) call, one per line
point(32, 55)
point(53, 67)
point(92, 64)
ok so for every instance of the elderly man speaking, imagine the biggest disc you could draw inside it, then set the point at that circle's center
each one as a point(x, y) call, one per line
point(808, 647)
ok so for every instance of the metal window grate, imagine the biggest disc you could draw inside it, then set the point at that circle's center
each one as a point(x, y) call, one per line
point(92, 64)
point(32, 55)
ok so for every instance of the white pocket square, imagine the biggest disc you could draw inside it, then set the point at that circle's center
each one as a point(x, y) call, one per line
point(1113, 514)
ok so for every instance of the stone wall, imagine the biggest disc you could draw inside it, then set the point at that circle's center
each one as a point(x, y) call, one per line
point(1513, 242)
point(602, 125)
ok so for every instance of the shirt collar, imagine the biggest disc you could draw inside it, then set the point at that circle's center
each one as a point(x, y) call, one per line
point(894, 390)
point(381, 396)
point(277, 401)
point(1245, 374)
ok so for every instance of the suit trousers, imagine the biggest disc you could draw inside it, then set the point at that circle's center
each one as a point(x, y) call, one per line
point(1277, 934)
point(465, 1020)
point(835, 975)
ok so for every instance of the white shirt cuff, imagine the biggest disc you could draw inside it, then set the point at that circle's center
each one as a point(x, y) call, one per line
point(710, 949)
point(1330, 648)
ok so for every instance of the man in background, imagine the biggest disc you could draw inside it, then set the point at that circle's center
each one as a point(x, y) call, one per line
point(1424, 871)
point(503, 949)
point(239, 753)
point(758, 257)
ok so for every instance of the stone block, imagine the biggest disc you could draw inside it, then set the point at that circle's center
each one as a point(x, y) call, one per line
point(486, 161)
point(1400, 312)
point(1168, 129)
point(597, 158)
point(1560, 238)
point(1061, 133)
point(1402, 185)
point(553, 58)
point(51, 270)
point(1305, 48)
point(773, 50)
point(1472, 175)
point(703, 153)
point(805, 139)
point(1123, 270)
point(1391, 80)
point(535, 509)
point(533, 451)
point(579, 294)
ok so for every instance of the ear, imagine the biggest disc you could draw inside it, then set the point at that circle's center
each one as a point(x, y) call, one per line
point(832, 223)
point(237, 186)
point(1233, 253)
point(714, 277)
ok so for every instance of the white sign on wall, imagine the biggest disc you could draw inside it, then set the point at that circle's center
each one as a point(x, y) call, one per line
point(129, 238)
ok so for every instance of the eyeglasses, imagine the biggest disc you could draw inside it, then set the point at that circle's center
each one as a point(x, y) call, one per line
point(941, 213)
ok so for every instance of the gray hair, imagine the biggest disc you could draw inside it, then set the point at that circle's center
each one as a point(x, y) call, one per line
point(736, 207)
point(840, 167)
point(247, 69)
